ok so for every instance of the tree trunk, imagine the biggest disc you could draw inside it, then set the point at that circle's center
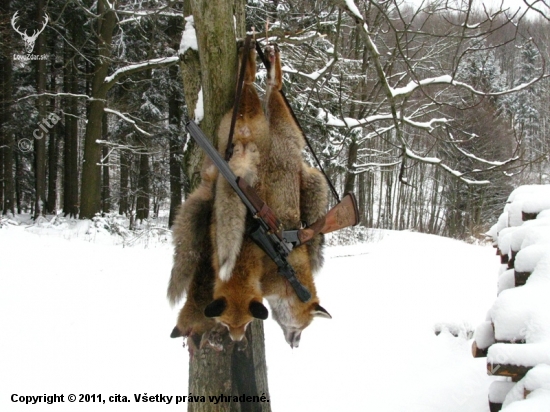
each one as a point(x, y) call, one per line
point(105, 192)
point(218, 58)
point(40, 142)
point(176, 149)
point(349, 185)
point(53, 158)
point(124, 181)
point(53, 145)
point(18, 177)
point(6, 137)
point(70, 149)
point(175, 140)
point(143, 189)
point(190, 68)
point(230, 372)
point(70, 182)
point(90, 199)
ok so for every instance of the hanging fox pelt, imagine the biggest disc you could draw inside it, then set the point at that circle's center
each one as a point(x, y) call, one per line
point(237, 262)
point(224, 274)
point(192, 272)
point(296, 193)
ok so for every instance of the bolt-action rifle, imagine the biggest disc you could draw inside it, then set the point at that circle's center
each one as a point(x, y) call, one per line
point(268, 232)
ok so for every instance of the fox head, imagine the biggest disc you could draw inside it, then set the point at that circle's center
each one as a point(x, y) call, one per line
point(235, 317)
point(293, 317)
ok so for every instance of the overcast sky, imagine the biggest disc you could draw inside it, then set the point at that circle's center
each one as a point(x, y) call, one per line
point(495, 4)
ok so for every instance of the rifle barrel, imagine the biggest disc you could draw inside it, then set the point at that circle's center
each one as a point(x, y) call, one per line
point(198, 135)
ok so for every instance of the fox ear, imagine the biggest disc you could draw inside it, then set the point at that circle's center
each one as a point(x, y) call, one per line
point(320, 311)
point(215, 308)
point(258, 310)
point(176, 333)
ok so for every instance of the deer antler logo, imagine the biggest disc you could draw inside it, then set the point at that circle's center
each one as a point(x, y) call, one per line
point(29, 40)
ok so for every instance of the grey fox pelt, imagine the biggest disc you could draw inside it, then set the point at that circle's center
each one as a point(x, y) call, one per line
point(237, 261)
point(250, 137)
point(192, 271)
point(296, 193)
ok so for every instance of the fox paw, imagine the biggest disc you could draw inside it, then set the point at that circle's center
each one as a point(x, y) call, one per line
point(274, 74)
point(240, 44)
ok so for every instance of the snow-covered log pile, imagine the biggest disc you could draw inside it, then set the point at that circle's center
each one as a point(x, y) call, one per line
point(515, 338)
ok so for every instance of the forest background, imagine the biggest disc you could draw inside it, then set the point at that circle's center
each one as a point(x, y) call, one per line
point(431, 112)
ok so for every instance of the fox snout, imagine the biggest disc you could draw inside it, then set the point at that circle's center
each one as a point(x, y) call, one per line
point(292, 336)
point(237, 334)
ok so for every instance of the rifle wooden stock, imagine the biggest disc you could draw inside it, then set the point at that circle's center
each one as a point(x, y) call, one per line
point(343, 215)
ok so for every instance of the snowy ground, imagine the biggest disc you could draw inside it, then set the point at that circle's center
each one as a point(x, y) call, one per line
point(82, 315)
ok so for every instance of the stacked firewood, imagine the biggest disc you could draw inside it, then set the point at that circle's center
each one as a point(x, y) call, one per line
point(515, 338)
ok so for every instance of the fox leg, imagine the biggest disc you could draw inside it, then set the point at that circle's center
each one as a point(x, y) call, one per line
point(229, 210)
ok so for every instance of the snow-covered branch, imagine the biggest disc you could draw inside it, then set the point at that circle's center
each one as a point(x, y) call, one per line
point(438, 162)
point(138, 67)
point(281, 36)
point(448, 80)
point(127, 119)
point(145, 13)
point(313, 76)
point(132, 149)
point(85, 96)
point(364, 167)
point(331, 120)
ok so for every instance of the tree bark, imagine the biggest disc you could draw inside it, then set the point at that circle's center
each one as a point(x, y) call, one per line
point(232, 372)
